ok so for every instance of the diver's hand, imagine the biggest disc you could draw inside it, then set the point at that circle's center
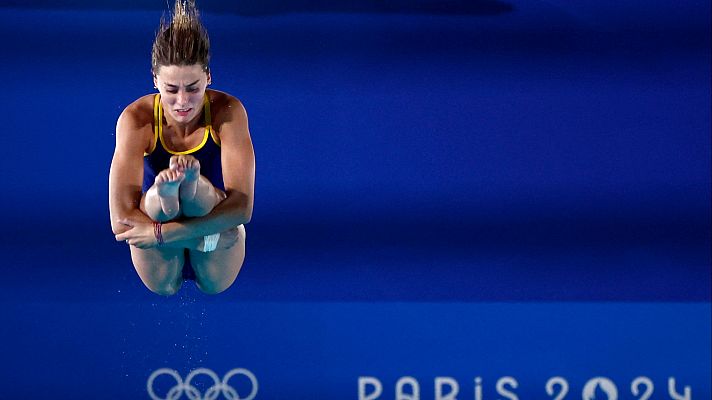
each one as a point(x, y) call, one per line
point(140, 234)
point(228, 238)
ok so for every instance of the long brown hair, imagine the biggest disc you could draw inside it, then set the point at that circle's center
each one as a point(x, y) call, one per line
point(181, 41)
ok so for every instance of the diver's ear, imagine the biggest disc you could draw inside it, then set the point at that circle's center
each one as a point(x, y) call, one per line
point(210, 78)
point(155, 81)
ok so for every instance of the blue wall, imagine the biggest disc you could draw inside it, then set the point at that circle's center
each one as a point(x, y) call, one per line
point(551, 134)
point(486, 189)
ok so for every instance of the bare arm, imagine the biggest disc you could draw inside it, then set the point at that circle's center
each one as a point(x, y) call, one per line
point(126, 173)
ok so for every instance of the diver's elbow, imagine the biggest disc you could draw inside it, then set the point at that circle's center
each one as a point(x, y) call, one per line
point(246, 216)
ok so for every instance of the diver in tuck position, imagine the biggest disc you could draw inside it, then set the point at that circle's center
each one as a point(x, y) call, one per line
point(182, 177)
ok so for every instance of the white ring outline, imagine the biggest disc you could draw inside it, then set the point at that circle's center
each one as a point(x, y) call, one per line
point(212, 393)
point(177, 388)
point(228, 391)
point(191, 391)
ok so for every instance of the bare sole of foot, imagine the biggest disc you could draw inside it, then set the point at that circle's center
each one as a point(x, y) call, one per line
point(168, 184)
point(190, 167)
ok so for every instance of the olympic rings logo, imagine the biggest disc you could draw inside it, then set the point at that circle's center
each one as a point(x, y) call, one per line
point(192, 393)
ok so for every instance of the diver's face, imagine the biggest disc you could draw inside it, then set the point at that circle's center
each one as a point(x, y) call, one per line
point(182, 88)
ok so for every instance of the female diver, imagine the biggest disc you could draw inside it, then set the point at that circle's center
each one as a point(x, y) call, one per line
point(182, 176)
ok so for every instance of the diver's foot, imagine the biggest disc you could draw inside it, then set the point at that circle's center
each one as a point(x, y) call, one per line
point(168, 184)
point(190, 167)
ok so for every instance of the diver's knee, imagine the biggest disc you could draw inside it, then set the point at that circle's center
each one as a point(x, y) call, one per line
point(164, 288)
point(214, 287)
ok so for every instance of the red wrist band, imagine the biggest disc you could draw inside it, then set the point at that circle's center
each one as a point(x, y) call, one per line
point(157, 233)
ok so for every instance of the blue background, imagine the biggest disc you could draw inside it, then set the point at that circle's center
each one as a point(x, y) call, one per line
point(416, 161)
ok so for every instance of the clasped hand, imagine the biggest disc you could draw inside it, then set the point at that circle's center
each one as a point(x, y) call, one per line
point(141, 235)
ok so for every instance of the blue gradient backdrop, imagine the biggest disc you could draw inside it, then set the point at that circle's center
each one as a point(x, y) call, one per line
point(547, 155)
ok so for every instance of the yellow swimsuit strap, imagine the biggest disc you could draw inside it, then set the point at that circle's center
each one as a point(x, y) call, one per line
point(157, 122)
point(208, 120)
point(158, 127)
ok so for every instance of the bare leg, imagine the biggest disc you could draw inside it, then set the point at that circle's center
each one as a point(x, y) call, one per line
point(181, 190)
point(216, 271)
point(159, 269)
point(197, 195)
point(161, 202)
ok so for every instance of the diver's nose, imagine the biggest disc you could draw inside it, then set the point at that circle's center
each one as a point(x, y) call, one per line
point(182, 99)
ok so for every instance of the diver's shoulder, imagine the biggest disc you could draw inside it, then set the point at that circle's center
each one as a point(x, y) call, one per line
point(222, 101)
point(138, 113)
